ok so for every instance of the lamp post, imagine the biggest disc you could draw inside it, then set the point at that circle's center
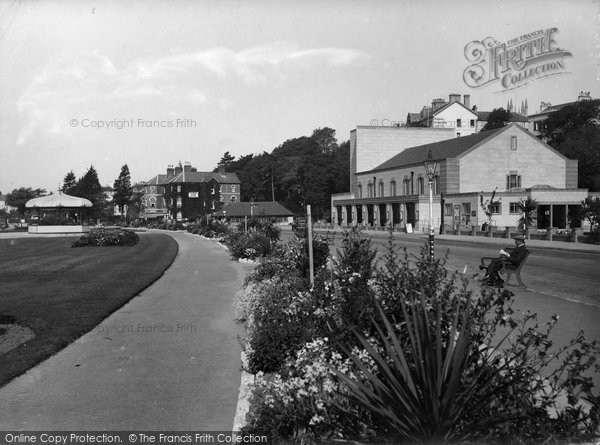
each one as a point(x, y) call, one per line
point(430, 168)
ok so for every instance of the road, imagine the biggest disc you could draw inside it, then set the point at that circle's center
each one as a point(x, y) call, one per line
point(559, 282)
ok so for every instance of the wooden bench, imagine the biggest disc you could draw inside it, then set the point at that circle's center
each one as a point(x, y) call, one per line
point(328, 237)
point(509, 268)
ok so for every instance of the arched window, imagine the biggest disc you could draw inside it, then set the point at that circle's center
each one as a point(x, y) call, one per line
point(380, 191)
point(435, 185)
point(420, 186)
point(370, 190)
point(393, 188)
point(233, 189)
point(152, 202)
point(152, 190)
point(406, 187)
point(360, 191)
point(232, 199)
point(144, 202)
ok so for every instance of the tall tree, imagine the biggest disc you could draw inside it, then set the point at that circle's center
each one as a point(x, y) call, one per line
point(583, 144)
point(226, 160)
point(123, 191)
point(498, 118)
point(69, 183)
point(325, 139)
point(89, 187)
point(19, 197)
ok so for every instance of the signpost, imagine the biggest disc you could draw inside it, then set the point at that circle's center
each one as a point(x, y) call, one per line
point(308, 222)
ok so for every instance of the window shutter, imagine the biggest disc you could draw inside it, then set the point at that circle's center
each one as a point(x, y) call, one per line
point(507, 182)
point(519, 181)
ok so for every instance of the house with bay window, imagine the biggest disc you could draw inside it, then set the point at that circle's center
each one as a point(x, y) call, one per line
point(509, 160)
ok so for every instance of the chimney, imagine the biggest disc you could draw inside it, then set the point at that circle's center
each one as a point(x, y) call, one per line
point(187, 167)
point(453, 98)
point(170, 170)
point(178, 169)
point(467, 100)
point(437, 103)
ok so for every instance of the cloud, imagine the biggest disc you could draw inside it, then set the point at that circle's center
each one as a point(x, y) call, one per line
point(88, 83)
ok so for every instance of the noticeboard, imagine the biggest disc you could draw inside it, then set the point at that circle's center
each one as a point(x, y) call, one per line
point(302, 223)
point(409, 228)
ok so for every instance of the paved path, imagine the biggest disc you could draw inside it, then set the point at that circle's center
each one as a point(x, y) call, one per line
point(167, 360)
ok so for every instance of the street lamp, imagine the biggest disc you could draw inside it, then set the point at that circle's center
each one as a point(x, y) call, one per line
point(430, 168)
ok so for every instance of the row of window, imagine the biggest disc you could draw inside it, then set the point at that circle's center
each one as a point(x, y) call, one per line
point(406, 188)
point(212, 190)
point(513, 208)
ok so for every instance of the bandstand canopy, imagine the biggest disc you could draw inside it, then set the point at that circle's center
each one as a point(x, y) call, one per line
point(56, 201)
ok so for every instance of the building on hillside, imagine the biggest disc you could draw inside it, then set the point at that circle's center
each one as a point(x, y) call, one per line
point(546, 109)
point(272, 211)
point(509, 160)
point(184, 193)
point(463, 118)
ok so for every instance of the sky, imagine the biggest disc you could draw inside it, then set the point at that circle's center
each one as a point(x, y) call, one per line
point(152, 83)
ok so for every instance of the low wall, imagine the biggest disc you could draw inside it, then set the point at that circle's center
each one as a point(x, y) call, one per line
point(58, 229)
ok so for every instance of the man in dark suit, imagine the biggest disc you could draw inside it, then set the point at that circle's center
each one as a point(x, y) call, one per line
point(518, 254)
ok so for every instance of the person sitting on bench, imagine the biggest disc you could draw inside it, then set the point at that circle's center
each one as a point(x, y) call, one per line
point(518, 254)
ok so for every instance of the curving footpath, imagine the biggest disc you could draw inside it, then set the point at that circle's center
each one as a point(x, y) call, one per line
point(167, 360)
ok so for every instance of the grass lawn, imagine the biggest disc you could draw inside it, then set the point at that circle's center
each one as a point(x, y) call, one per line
point(62, 292)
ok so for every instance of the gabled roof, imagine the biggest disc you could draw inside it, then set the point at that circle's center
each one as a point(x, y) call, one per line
point(266, 208)
point(552, 109)
point(449, 104)
point(449, 148)
point(196, 177)
point(159, 179)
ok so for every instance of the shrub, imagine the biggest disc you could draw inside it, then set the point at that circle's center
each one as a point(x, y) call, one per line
point(432, 362)
point(107, 237)
point(250, 245)
point(279, 323)
point(261, 225)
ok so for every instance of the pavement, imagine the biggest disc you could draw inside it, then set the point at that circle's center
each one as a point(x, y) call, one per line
point(484, 240)
point(167, 360)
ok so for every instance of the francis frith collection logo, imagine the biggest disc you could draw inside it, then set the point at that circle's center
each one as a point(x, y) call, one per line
point(516, 62)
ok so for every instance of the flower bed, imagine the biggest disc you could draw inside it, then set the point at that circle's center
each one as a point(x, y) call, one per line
point(107, 237)
point(405, 353)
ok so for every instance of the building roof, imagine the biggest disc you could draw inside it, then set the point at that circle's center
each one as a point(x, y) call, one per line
point(426, 119)
point(266, 208)
point(195, 177)
point(514, 117)
point(159, 179)
point(59, 199)
point(449, 148)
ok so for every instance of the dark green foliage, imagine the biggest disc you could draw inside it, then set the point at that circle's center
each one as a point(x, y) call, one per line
point(213, 228)
point(19, 197)
point(123, 192)
point(281, 323)
point(89, 187)
point(261, 225)
point(69, 183)
point(107, 237)
point(249, 245)
point(303, 170)
point(498, 118)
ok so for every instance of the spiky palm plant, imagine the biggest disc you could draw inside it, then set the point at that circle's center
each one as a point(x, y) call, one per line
point(527, 207)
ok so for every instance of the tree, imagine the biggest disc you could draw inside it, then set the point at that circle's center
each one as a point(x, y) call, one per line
point(226, 160)
point(123, 191)
point(489, 206)
point(498, 118)
point(69, 183)
point(583, 144)
point(19, 197)
point(89, 187)
point(591, 212)
point(325, 139)
point(527, 207)
point(569, 119)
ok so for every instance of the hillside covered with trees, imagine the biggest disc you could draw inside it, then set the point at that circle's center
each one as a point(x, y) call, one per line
point(301, 171)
